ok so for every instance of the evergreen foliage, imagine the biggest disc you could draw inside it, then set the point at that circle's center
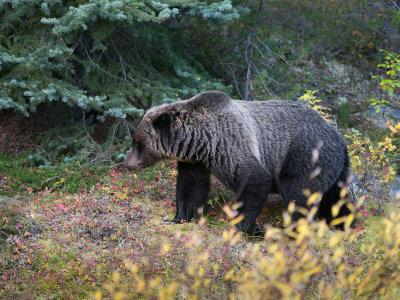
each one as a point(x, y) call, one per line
point(112, 57)
point(111, 60)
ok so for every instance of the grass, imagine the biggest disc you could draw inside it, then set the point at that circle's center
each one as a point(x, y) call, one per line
point(108, 238)
point(17, 175)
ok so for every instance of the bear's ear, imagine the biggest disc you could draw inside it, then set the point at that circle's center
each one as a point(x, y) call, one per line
point(163, 121)
point(211, 100)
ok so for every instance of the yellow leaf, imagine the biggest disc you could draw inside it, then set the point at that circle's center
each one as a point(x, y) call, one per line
point(98, 295)
point(119, 296)
point(140, 286)
point(315, 198)
point(166, 248)
point(229, 274)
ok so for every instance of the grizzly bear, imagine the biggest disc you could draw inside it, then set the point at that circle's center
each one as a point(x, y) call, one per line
point(252, 147)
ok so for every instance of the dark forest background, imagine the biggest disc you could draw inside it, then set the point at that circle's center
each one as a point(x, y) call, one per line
point(75, 76)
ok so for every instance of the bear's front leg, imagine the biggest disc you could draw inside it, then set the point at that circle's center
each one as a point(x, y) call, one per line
point(192, 188)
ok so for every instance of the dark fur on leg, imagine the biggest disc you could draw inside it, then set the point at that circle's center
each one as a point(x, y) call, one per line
point(252, 198)
point(192, 188)
point(332, 196)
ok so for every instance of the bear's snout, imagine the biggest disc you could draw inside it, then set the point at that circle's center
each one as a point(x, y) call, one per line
point(127, 165)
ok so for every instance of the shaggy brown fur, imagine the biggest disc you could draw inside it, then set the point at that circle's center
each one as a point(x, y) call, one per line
point(252, 147)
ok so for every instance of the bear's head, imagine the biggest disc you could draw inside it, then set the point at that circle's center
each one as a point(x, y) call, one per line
point(147, 147)
point(163, 128)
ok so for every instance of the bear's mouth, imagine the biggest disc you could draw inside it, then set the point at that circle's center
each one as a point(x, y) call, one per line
point(137, 167)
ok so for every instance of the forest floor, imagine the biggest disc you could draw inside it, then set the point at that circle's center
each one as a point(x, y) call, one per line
point(110, 238)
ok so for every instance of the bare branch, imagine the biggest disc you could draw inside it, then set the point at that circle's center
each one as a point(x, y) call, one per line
point(101, 54)
point(252, 65)
point(249, 56)
point(97, 65)
point(127, 124)
point(269, 49)
point(84, 126)
point(47, 180)
point(234, 79)
point(395, 4)
point(115, 129)
point(44, 151)
point(248, 59)
point(121, 59)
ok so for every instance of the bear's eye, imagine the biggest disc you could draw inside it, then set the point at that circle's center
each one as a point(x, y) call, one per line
point(137, 145)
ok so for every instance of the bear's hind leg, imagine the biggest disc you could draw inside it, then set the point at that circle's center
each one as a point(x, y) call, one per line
point(330, 198)
point(250, 210)
point(290, 188)
point(252, 196)
point(192, 188)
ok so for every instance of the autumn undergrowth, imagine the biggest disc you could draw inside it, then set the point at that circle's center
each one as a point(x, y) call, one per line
point(73, 232)
point(111, 239)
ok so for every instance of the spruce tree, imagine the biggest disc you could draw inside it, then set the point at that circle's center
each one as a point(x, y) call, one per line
point(113, 57)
